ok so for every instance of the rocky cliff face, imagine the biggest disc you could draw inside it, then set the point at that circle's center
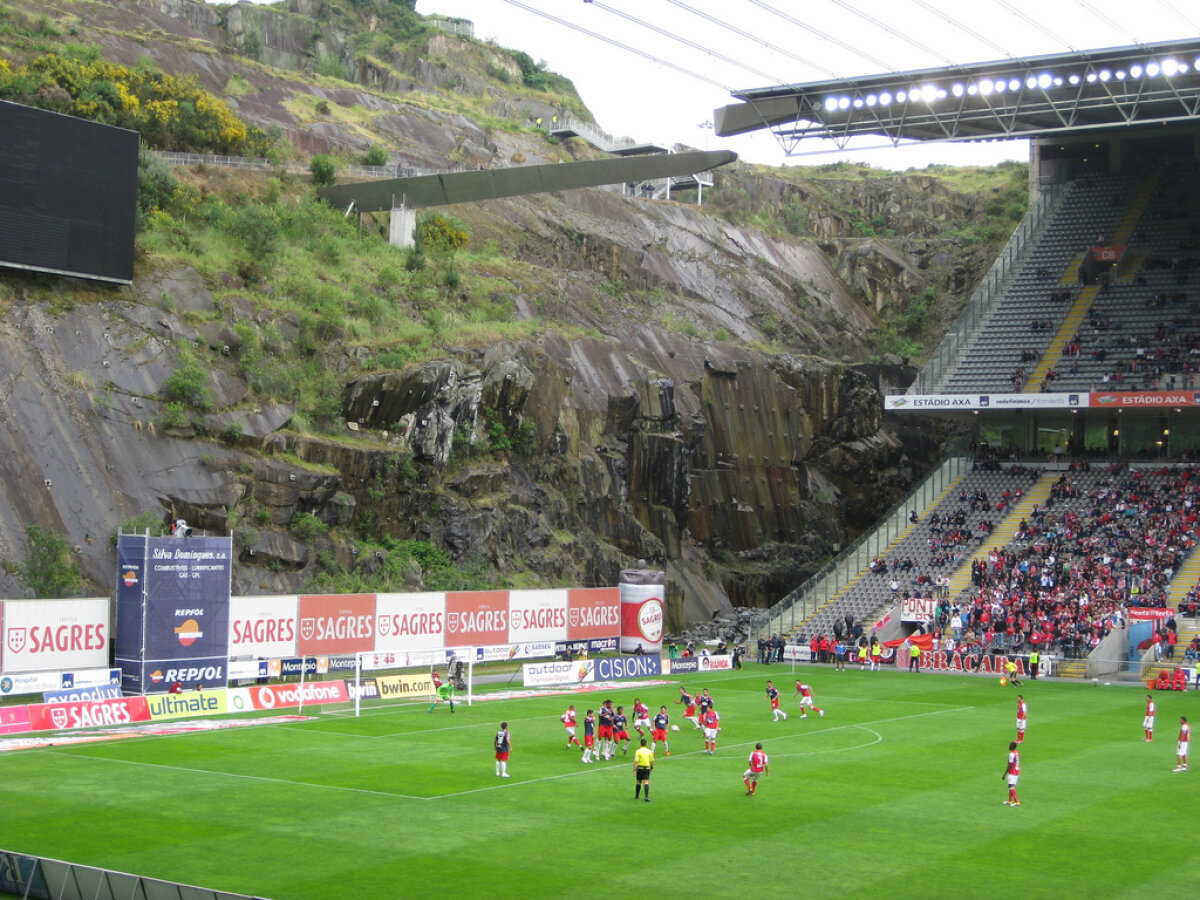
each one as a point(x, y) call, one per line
point(702, 456)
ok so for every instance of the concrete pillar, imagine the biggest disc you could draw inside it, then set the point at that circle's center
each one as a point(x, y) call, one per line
point(404, 223)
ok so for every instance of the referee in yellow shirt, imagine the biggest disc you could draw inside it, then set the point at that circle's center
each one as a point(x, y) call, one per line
point(643, 762)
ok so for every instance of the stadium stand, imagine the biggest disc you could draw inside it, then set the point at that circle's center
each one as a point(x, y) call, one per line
point(1042, 289)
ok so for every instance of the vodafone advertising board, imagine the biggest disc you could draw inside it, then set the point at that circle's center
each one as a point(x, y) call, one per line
point(284, 696)
point(476, 618)
point(409, 622)
point(55, 634)
point(263, 626)
point(537, 616)
point(336, 623)
point(593, 613)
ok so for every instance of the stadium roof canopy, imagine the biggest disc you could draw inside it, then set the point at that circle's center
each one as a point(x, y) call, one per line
point(1009, 99)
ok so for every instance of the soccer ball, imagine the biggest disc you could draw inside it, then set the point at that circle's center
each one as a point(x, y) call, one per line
point(1003, 682)
point(674, 727)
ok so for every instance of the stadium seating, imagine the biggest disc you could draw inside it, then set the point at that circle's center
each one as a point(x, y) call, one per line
point(1041, 289)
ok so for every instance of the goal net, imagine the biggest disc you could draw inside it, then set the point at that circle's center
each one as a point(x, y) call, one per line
point(419, 677)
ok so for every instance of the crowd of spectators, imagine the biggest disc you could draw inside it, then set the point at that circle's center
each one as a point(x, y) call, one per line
point(1101, 544)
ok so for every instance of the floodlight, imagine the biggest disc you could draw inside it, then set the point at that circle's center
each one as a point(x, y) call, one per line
point(1074, 79)
point(1000, 86)
point(1058, 82)
point(1045, 80)
point(831, 102)
point(901, 97)
point(1091, 77)
point(843, 103)
point(1135, 71)
point(1031, 82)
point(985, 86)
point(941, 94)
point(885, 98)
point(929, 93)
point(1014, 84)
point(958, 90)
point(1152, 70)
point(872, 99)
point(1105, 75)
point(1169, 67)
point(858, 102)
point(1197, 64)
point(972, 90)
point(1120, 74)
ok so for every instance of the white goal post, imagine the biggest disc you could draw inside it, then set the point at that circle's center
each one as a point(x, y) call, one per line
point(406, 678)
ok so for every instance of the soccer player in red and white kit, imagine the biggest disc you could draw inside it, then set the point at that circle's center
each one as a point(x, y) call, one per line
point(1012, 773)
point(1022, 713)
point(568, 720)
point(1148, 721)
point(712, 724)
point(1181, 750)
point(689, 707)
point(806, 700)
point(773, 696)
point(658, 733)
point(759, 765)
point(641, 716)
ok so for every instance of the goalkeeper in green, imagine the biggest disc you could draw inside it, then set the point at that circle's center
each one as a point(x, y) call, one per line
point(443, 692)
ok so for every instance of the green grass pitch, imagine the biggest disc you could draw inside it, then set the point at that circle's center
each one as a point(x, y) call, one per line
point(896, 791)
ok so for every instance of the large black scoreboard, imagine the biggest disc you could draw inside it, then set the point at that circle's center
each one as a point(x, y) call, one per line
point(68, 194)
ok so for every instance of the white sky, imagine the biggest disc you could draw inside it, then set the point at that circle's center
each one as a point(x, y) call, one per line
point(632, 96)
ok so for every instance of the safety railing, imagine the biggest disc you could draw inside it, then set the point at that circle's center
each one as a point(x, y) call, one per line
point(269, 165)
point(25, 875)
point(848, 566)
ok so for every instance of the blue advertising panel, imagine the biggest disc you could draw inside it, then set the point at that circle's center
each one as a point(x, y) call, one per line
point(131, 609)
point(173, 611)
point(680, 666)
point(616, 668)
point(131, 553)
point(187, 598)
point(191, 673)
point(75, 695)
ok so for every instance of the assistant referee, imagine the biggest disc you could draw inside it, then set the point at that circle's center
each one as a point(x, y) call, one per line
point(643, 762)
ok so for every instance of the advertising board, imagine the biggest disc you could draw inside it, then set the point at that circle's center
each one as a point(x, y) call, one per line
point(40, 635)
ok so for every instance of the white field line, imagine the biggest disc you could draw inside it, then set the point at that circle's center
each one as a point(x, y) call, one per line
point(600, 768)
